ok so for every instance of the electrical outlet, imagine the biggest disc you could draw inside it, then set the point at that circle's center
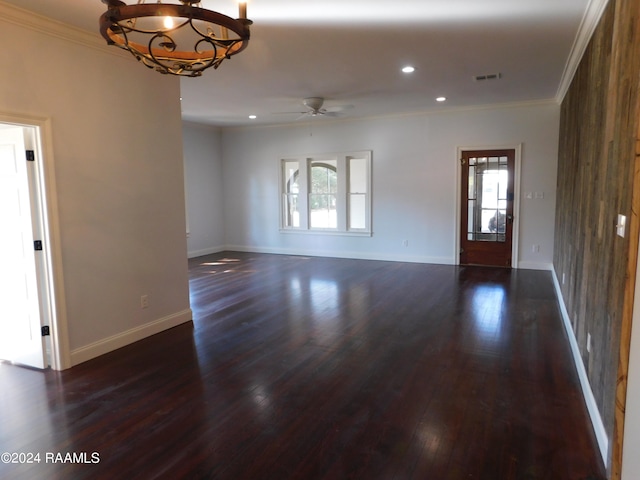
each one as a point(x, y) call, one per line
point(405, 243)
point(535, 249)
point(144, 301)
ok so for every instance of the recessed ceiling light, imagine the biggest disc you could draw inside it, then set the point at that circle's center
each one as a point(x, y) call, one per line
point(441, 99)
point(253, 117)
point(408, 69)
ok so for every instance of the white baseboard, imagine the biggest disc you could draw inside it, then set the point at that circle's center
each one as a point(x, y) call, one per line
point(205, 251)
point(592, 407)
point(535, 265)
point(382, 256)
point(114, 342)
point(343, 254)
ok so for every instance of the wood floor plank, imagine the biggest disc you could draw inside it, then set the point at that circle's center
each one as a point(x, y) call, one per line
point(319, 368)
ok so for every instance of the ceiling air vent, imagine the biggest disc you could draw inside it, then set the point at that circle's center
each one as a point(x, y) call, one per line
point(491, 76)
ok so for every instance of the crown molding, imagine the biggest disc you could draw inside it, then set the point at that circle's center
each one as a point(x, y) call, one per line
point(588, 25)
point(48, 26)
point(420, 113)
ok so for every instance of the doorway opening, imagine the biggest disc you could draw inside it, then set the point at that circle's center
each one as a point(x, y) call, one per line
point(28, 333)
point(486, 213)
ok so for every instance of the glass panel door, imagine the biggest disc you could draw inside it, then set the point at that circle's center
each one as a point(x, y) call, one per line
point(487, 207)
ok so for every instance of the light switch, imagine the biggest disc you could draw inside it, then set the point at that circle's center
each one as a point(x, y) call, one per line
point(620, 226)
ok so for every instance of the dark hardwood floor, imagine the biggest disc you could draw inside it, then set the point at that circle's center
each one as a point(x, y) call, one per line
point(318, 368)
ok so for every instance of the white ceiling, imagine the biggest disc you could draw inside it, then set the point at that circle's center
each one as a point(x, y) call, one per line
point(350, 52)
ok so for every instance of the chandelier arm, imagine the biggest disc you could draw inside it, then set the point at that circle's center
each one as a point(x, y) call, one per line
point(176, 65)
point(114, 3)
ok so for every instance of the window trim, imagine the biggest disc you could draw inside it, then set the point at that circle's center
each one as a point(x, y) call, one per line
point(343, 198)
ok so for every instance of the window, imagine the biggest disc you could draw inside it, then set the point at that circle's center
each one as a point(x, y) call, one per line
point(358, 193)
point(291, 190)
point(323, 194)
point(327, 193)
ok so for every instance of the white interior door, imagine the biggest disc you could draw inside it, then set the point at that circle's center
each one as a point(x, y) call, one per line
point(21, 339)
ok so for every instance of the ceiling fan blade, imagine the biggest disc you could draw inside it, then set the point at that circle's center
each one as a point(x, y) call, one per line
point(338, 108)
point(315, 109)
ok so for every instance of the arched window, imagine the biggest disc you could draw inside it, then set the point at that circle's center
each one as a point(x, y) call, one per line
point(322, 195)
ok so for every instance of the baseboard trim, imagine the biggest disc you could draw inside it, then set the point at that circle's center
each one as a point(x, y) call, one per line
point(123, 339)
point(205, 251)
point(343, 254)
point(535, 266)
point(592, 407)
point(385, 257)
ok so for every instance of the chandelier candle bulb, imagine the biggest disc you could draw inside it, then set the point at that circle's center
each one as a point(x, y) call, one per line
point(243, 9)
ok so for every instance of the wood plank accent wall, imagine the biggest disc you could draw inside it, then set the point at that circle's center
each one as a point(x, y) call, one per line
point(596, 166)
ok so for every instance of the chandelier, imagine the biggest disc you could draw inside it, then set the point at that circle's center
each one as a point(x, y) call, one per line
point(175, 39)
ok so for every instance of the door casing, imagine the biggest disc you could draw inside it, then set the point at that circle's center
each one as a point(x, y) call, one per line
point(60, 357)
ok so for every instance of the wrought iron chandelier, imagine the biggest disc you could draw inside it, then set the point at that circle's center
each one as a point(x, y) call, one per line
point(175, 39)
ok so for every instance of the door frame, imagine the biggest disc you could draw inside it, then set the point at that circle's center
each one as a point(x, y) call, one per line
point(60, 358)
point(516, 197)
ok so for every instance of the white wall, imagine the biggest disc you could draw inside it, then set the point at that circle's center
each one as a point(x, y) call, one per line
point(117, 150)
point(630, 458)
point(414, 181)
point(203, 175)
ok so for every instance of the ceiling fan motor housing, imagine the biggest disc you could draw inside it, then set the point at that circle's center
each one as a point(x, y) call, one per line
point(314, 103)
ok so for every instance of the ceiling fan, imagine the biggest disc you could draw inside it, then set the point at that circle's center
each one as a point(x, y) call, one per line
point(314, 108)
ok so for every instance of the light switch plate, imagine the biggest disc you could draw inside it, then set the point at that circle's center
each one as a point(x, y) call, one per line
point(620, 226)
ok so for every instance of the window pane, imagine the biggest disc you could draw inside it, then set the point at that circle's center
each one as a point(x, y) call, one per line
point(504, 182)
point(502, 222)
point(290, 189)
point(357, 211)
point(291, 173)
point(323, 211)
point(472, 183)
point(471, 216)
point(291, 214)
point(322, 197)
point(489, 221)
point(324, 178)
point(357, 175)
point(489, 192)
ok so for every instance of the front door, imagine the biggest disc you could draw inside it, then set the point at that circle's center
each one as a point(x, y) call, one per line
point(487, 207)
